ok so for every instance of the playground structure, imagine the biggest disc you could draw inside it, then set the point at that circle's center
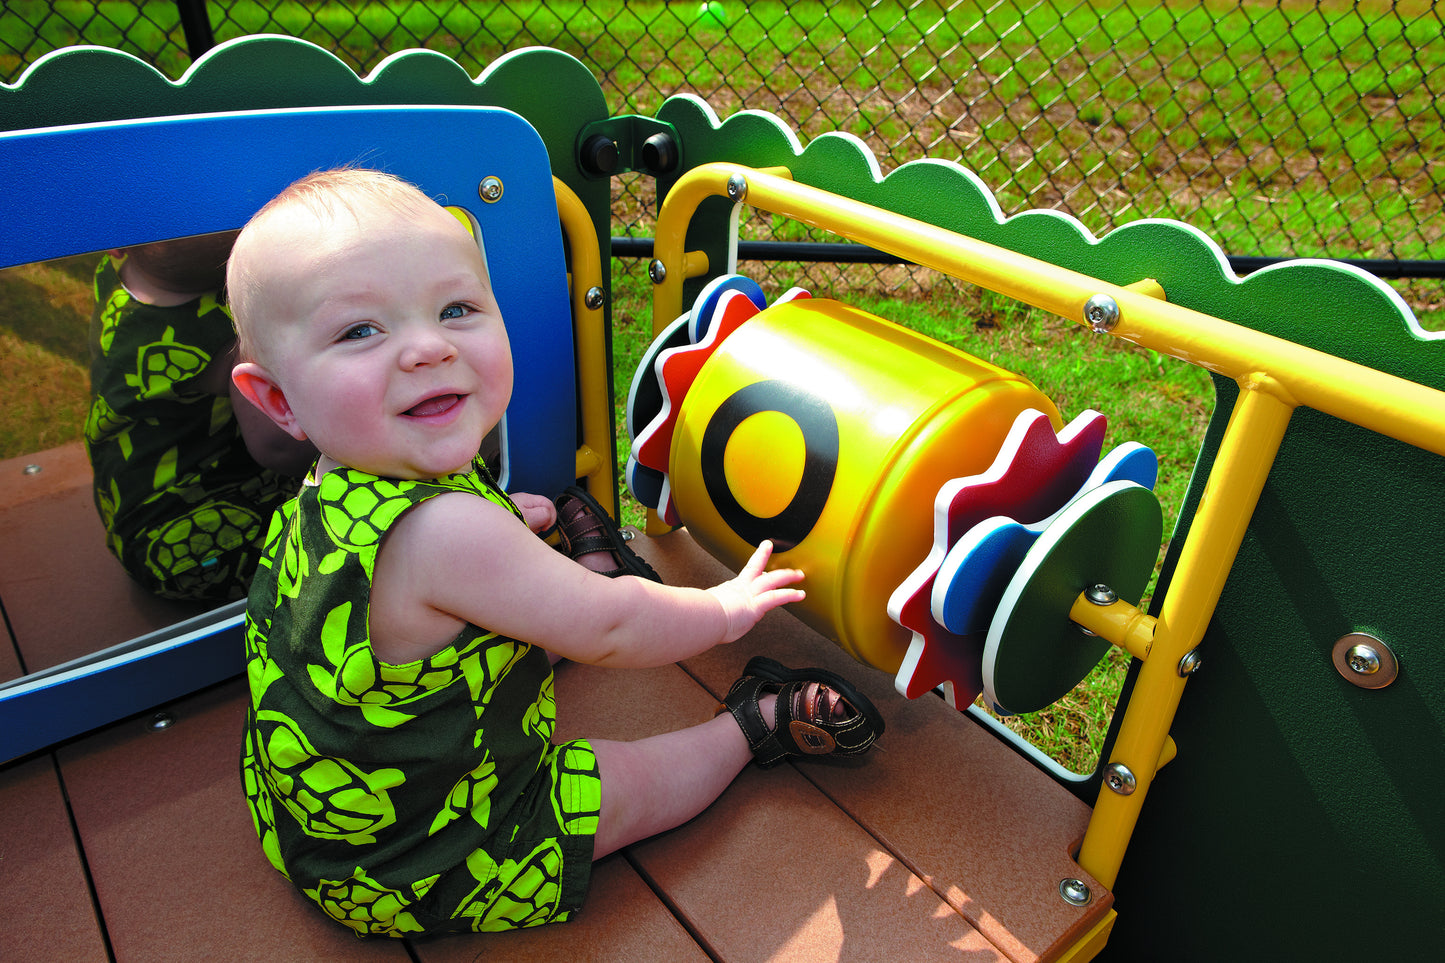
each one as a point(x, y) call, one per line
point(1299, 774)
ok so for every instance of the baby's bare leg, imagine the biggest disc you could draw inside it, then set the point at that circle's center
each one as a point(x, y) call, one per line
point(656, 784)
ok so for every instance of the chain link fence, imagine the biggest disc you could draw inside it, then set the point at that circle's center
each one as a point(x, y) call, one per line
point(1281, 129)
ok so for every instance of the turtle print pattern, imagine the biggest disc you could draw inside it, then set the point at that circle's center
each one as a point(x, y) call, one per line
point(183, 503)
point(351, 793)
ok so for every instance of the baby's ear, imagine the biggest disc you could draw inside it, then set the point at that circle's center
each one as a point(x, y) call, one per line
point(257, 386)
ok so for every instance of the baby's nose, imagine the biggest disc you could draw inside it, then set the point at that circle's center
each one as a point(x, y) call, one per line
point(427, 347)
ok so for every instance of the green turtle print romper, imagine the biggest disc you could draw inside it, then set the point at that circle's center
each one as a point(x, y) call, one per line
point(184, 505)
point(403, 799)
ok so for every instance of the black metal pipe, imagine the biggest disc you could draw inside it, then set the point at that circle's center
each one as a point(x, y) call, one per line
point(845, 253)
point(196, 21)
point(1380, 267)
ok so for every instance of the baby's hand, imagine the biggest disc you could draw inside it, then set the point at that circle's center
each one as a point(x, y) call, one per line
point(537, 510)
point(746, 598)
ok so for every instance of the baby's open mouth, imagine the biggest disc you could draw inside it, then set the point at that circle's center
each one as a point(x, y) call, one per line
point(434, 406)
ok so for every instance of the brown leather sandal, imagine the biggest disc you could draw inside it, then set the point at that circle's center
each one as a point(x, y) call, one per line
point(583, 527)
point(805, 725)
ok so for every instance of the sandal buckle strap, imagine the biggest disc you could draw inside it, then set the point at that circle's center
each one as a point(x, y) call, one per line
point(811, 739)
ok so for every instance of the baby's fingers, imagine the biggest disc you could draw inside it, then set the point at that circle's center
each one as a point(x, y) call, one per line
point(772, 589)
point(758, 562)
point(767, 581)
point(773, 598)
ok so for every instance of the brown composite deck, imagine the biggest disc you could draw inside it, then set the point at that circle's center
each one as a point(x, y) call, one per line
point(133, 843)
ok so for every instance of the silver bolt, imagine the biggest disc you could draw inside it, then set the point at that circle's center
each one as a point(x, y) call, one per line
point(33, 469)
point(657, 271)
point(1101, 595)
point(1119, 778)
point(490, 189)
point(1190, 663)
point(1363, 659)
point(1102, 313)
point(1075, 892)
point(162, 721)
point(737, 187)
point(594, 298)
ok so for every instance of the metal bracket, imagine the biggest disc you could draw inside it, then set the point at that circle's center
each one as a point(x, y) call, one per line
point(630, 142)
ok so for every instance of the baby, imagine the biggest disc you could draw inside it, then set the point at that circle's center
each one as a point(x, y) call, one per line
point(398, 755)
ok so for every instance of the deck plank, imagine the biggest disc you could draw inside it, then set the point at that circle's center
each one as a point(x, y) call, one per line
point(990, 833)
point(178, 872)
point(41, 874)
point(774, 869)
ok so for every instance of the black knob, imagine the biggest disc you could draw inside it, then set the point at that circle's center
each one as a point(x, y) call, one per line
point(599, 154)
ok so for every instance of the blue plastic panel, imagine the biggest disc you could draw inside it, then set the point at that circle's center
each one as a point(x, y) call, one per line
point(92, 187)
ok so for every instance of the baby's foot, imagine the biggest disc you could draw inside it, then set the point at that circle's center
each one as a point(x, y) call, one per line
point(816, 713)
point(590, 538)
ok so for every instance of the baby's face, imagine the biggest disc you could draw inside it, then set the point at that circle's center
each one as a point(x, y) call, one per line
point(386, 340)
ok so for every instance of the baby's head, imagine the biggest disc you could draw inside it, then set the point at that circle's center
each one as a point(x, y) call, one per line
point(333, 202)
point(367, 324)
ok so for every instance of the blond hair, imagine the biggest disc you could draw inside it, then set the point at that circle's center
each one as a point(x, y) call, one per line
point(347, 191)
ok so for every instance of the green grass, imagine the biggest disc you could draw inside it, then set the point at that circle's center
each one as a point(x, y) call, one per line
point(1207, 112)
point(44, 361)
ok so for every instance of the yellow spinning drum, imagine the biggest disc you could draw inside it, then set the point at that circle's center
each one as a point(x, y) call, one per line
point(830, 431)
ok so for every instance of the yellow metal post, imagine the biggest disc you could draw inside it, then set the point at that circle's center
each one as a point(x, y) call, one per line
point(595, 459)
point(1251, 440)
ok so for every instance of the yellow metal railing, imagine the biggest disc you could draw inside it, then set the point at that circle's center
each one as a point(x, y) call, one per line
point(595, 458)
point(1274, 376)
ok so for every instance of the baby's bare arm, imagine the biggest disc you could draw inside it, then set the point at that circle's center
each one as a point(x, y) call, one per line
point(457, 558)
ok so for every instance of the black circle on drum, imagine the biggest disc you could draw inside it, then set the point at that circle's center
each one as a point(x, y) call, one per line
point(815, 418)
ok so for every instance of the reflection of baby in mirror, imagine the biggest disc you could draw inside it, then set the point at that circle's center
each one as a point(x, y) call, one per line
point(179, 476)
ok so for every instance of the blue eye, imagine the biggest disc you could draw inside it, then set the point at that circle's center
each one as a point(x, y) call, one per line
point(358, 331)
point(453, 311)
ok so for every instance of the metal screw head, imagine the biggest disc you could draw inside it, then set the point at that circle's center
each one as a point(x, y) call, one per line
point(1120, 778)
point(1102, 313)
point(1075, 892)
point(1190, 662)
point(594, 298)
point(657, 271)
point(161, 721)
point(1365, 661)
point(490, 189)
point(32, 469)
point(737, 187)
point(1101, 594)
